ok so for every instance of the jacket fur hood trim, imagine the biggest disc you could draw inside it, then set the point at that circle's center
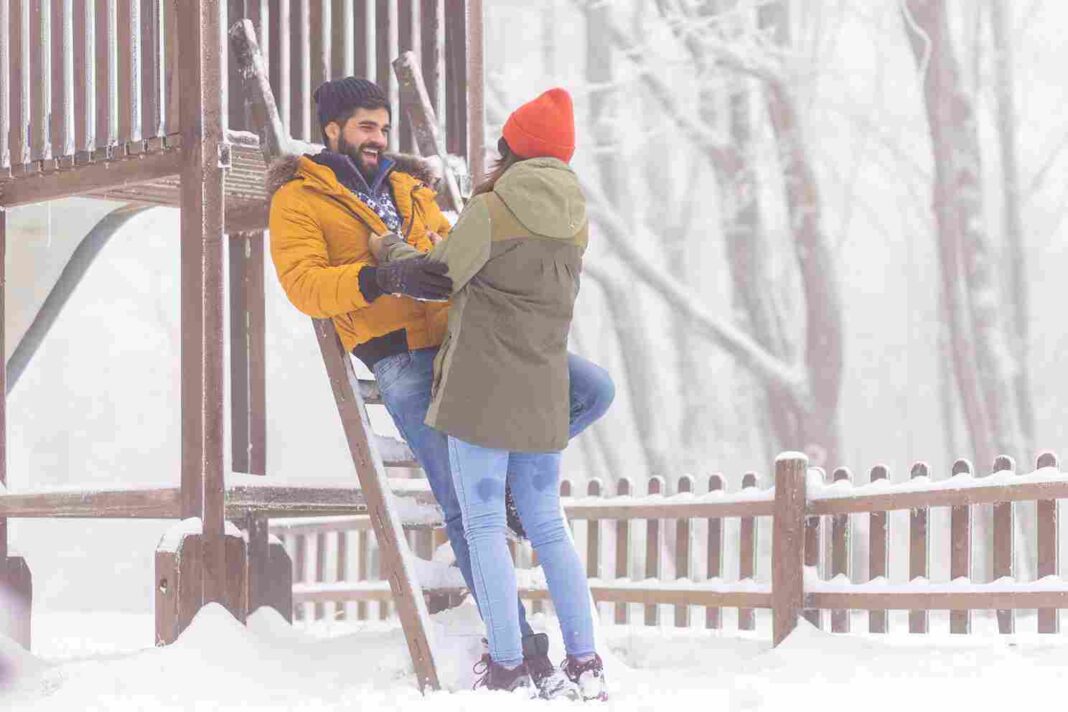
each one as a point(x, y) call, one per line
point(284, 169)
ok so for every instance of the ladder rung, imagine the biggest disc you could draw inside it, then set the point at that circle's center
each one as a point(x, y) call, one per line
point(395, 453)
point(369, 391)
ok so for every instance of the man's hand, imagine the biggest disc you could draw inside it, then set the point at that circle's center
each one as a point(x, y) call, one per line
point(418, 278)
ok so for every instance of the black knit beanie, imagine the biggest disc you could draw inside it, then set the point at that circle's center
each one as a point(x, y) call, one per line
point(338, 96)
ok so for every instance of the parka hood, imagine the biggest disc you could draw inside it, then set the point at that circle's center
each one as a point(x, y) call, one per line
point(544, 194)
point(286, 168)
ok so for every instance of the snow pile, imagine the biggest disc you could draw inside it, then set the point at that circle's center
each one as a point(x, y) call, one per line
point(218, 664)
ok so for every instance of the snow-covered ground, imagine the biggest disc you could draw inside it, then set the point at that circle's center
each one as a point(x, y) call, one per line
point(106, 662)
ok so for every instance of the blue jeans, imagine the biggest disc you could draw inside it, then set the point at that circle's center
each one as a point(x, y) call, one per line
point(480, 474)
point(405, 380)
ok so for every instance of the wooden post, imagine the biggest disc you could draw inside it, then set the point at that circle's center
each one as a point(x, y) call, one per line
point(788, 544)
point(1048, 535)
point(300, 571)
point(713, 616)
point(457, 129)
point(204, 158)
point(362, 555)
point(878, 552)
point(918, 550)
point(960, 564)
point(840, 554)
point(593, 534)
point(747, 555)
point(1003, 545)
point(682, 553)
point(652, 551)
point(622, 549)
point(476, 81)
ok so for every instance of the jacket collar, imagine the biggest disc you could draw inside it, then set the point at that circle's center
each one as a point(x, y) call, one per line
point(349, 175)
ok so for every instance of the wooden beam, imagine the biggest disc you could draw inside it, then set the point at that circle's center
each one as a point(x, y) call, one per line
point(90, 178)
point(202, 208)
point(476, 85)
point(939, 600)
point(966, 495)
point(3, 373)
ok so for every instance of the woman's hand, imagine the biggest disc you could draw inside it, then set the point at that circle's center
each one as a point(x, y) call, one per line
point(377, 245)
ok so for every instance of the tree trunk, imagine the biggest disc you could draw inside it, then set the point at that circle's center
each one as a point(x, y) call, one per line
point(984, 362)
point(982, 357)
point(1014, 242)
point(819, 278)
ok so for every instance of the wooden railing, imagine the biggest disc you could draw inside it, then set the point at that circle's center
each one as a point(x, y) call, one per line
point(89, 80)
point(684, 547)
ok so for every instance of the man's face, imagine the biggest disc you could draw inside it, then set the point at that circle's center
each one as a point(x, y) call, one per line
point(363, 138)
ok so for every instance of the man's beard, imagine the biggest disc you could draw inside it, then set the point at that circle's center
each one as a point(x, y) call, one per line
point(367, 169)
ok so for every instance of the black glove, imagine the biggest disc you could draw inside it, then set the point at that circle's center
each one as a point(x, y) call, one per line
point(512, 512)
point(418, 278)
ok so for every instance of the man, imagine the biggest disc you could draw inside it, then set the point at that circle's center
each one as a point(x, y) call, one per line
point(324, 209)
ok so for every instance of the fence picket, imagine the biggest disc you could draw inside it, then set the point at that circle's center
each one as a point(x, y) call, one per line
point(652, 550)
point(812, 560)
point(878, 552)
point(299, 563)
point(918, 549)
point(361, 570)
point(682, 552)
point(960, 565)
point(1003, 544)
point(840, 553)
point(340, 612)
point(622, 550)
point(1048, 537)
point(747, 554)
point(713, 617)
point(593, 534)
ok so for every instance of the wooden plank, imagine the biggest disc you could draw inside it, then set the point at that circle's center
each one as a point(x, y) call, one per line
point(989, 494)
point(106, 69)
point(622, 549)
point(320, 570)
point(151, 69)
point(1004, 542)
point(683, 544)
point(84, 76)
point(918, 551)
point(878, 553)
point(362, 556)
point(714, 552)
point(202, 284)
point(149, 503)
point(300, 561)
point(259, 561)
point(255, 303)
point(652, 549)
point(593, 533)
point(840, 553)
point(5, 86)
point(319, 18)
point(747, 554)
point(235, 100)
point(239, 381)
point(280, 64)
point(19, 89)
point(456, 76)
point(93, 177)
point(476, 82)
point(340, 24)
point(813, 525)
point(960, 564)
point(300, 79)
point(668, 508)
point(602, 592)
point(40, 84)
point(129, 71)
point(171, 89)
point(385, 14)
point(363, 38)
point(342, 568)
point(788, 545)
point(939, 600)
point(432, 41)
point(61, 128)
point(1048, 554)
point(407, 41)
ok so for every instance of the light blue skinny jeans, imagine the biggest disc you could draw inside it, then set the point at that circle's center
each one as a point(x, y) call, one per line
point(479, 475)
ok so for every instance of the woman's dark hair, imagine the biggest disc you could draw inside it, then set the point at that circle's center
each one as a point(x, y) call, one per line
point(508, 159)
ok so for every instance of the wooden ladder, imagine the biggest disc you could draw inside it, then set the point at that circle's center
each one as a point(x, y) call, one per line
point(350, 393)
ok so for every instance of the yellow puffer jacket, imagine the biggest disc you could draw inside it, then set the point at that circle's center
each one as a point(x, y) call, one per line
point(319, 232)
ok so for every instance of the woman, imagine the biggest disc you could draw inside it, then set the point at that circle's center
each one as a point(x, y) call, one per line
point(501, 379)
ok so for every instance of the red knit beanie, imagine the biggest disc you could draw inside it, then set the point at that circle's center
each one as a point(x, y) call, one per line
point(543, 127)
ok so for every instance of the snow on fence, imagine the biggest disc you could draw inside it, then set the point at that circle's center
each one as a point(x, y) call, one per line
point(653, 553)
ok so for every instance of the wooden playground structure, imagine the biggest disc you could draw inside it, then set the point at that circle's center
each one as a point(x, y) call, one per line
point(146, 103)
